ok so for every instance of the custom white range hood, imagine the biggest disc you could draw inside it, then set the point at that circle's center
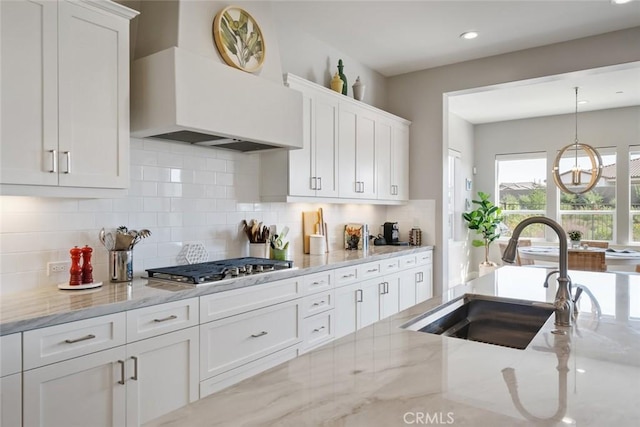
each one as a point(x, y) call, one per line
point(181, 96)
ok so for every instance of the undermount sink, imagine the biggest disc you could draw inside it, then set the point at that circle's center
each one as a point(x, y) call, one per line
point(491, 320)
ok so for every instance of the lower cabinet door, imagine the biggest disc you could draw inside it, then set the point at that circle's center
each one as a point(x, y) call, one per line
point(11, 400)
point(367, 308)
point(345, 309)
point(424, 283)
point(162, 375)
point(389, 295)
point(84, 391)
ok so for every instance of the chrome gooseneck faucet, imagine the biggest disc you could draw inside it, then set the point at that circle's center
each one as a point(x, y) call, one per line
point(563, 304)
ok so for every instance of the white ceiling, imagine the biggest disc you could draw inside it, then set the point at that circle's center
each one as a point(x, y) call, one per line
point(397, 37)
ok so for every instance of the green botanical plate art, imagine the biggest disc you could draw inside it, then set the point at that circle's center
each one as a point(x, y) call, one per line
point(239, 39)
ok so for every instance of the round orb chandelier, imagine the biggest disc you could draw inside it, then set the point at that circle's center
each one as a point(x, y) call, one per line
point(576, 185)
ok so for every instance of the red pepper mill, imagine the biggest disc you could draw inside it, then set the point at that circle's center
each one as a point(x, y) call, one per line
point(87, 268)
point(75, 271)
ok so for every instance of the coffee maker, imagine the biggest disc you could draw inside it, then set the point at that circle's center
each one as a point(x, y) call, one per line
point(391, 233)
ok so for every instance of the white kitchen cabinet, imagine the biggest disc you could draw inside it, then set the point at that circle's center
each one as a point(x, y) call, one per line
point(65, 95)
point(311, 171)
point(356, 306)
point(389, 289)
point(339, 158)
point(416, 279)
point(357, 152)
point(85, 372)
point(11, 380)
point(424, 278)
point(162, 375)
point(392, 160)
point(83, 391)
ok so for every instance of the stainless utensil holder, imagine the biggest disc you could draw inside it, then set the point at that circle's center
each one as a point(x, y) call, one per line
point(121, 266)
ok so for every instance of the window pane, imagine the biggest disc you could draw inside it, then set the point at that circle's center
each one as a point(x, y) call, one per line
point(592, 213)
point(634, 195)
point(522, 190)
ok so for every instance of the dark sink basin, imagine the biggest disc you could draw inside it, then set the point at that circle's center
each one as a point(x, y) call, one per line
point(500, 321)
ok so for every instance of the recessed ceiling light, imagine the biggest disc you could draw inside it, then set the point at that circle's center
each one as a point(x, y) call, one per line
point(583, 101)
point(620, 1)
point(469, 35)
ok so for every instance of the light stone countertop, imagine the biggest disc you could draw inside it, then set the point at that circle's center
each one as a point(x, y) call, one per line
point(385, 376)
point(49, 305)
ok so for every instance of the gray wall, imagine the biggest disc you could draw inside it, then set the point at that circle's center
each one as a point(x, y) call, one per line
point(421, 98)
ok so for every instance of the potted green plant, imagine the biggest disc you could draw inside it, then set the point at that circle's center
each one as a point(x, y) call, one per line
point(575, 236)
point(484, 220)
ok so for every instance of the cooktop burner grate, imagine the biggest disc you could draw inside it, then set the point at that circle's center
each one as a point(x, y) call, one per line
point(217, 270)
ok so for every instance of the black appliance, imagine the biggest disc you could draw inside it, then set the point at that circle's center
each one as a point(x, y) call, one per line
point(214, 271)
point(391, 234)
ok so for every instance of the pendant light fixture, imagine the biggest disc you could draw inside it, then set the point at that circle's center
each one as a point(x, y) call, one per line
point(575, 185)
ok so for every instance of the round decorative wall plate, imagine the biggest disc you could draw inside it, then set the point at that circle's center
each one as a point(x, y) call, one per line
point(239, 39)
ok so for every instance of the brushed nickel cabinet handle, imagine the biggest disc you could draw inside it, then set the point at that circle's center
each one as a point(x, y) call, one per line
point(86, 337)
point(135, 368)
point(315, 304)
point(173, 316)
point(381, 288)
point(314, 183)
point(121, 362)
point(68, 154)
point(386, 287)
point(318, 329)
point(372, 270)
point(359, 298)
point(54, 161)
point(346, 276)
point(259, 335)
point(319, 183)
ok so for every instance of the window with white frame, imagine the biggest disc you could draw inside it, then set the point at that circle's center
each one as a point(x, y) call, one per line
point(593, 212)
point(634, 193)
point(522, 190)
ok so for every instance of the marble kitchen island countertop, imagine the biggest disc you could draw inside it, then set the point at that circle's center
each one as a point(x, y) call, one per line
point(48, 305)
point(383, 375)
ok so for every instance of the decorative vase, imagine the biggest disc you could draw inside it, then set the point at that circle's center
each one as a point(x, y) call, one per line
point(342, 77)
point(337, 83)
point(486, 268)
point(358, 89)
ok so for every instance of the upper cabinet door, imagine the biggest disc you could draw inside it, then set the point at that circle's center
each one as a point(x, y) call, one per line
point(400, 164)
point(347, 123)
point(28, 88)
point(365, 155)
point(301, 162)
point(384, 160)
point(93, 98)
point(326, 146)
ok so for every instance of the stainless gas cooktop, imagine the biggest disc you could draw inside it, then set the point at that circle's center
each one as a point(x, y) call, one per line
point(214, 271)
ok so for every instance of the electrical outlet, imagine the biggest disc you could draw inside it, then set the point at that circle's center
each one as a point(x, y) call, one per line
point(57, 267)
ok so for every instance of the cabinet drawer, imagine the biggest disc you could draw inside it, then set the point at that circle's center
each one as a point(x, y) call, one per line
point(389, 265)
point(319, 282)
point(229, 303)
point(346, 275)
point(10, 354)
point(318, 329)
point(408, 261)
point(317, 303)
point(368, 270)
point(234, 341)
point(424, 258)
point(60, 342)
point(162, 318)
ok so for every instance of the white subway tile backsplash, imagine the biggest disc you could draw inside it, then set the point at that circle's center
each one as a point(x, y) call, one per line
point(182, 193)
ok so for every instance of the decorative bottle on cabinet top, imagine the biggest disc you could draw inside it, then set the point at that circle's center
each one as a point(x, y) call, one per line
point(337, 83)
point(358, 89)
point(342, 77)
